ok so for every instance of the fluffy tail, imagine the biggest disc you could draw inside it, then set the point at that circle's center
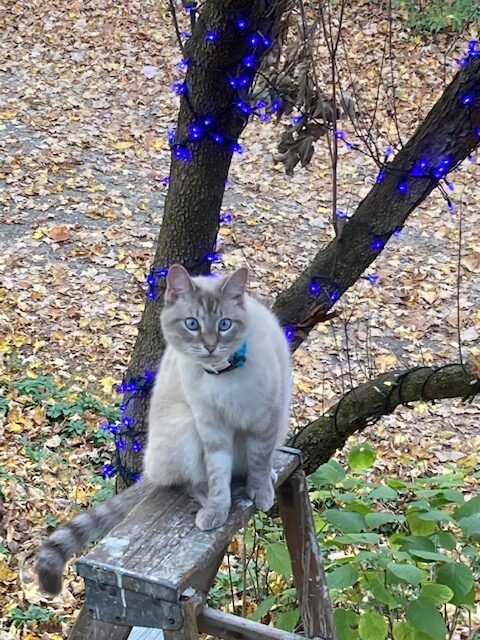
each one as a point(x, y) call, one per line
point(69, 539)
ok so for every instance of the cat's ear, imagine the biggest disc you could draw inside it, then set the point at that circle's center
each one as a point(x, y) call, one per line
point(179, 283)
point(234, 285)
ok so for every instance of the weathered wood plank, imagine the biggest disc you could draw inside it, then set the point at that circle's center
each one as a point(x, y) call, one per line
point(307, 566)
point(85, 627)
point(158, 549)
point(230, 627)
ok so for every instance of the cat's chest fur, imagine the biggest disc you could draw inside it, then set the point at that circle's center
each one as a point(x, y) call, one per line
point(237, 397)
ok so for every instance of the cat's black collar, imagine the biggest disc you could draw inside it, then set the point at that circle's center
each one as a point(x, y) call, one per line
point(236, 360)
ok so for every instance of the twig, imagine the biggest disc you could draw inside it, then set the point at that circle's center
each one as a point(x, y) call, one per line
point(175, 24)
point(392, 74)
point(459, 278)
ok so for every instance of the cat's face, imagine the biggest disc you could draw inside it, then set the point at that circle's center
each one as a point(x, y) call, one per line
point(205, 318)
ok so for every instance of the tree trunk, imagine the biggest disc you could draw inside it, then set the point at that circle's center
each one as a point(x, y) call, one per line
point(191, 218)
point(366, 403)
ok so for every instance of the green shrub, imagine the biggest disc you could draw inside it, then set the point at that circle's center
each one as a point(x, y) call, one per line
point(432, 16)
point(401, 556)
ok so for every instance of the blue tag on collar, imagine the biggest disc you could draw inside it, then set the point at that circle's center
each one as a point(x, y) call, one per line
point(236, 360)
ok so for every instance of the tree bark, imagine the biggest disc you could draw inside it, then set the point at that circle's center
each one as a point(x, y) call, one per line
point(191, 218)
point(450, 131)
point(366, 403)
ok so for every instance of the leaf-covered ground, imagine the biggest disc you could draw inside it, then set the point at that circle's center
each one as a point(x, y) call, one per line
point(85, 107)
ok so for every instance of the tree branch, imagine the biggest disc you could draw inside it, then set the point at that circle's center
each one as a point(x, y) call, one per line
point(450, 131)
point(366, 403)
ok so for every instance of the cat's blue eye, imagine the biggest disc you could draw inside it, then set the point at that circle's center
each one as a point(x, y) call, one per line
point(224, 324)
point(192, 324)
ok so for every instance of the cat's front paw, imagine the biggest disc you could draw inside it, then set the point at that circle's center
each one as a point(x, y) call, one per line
point(211, 518)
point(263, 497)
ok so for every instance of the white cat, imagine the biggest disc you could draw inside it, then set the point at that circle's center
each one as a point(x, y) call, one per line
point(209, 419)
point(218, 409)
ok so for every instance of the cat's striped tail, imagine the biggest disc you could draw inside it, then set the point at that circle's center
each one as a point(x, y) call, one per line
point(69, 539)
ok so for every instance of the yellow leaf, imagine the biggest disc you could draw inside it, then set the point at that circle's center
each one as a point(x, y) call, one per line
point(38, 233)
point(6, 573)
point(108, 383)
point(7, 114)
point(470, 461)
point(305, 387)
point(122, 145)
point(7, 609)
point(105, 341)
point(159, 144)
point(38, 344)
point(38, 415)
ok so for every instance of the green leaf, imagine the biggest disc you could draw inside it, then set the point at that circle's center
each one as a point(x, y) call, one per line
point(345, 521)
point(359, 538)
point(436, 515)
point(403, 630)
point(396, 484)
point(288, 620)
point(357, 506)
point(470, 525)
point(420, 527)
point(346, 624)
point(374, 520)
point(383, 494)
point(446, 540)
point(381, 593)
point(459, 578)
point(278, 559)
point(437, 593)
point(361, 457)
point(263, 608)
point(410, 543)
point(372, 626)
point(342, 577)
point(425, 617)
point(329, 473)
point(468, 508)
point(406, 572)
point(429, 556)
point(453, 495)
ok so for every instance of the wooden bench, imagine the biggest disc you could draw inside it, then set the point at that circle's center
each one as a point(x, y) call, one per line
point(153, 571)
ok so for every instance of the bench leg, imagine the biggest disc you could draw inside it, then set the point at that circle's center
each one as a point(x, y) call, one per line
point(296, 513)
point(189, 631)
point(86, 627)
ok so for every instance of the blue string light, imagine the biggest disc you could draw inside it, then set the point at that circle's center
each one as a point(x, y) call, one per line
point(211, 36)
point(381, 177)
point(125, 432)
point(179, 88)
point(289, 333)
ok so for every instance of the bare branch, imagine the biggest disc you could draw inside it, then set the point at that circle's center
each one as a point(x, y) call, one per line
point(368, 402)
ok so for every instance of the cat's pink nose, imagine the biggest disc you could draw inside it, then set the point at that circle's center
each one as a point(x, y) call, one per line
point(210, 347)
